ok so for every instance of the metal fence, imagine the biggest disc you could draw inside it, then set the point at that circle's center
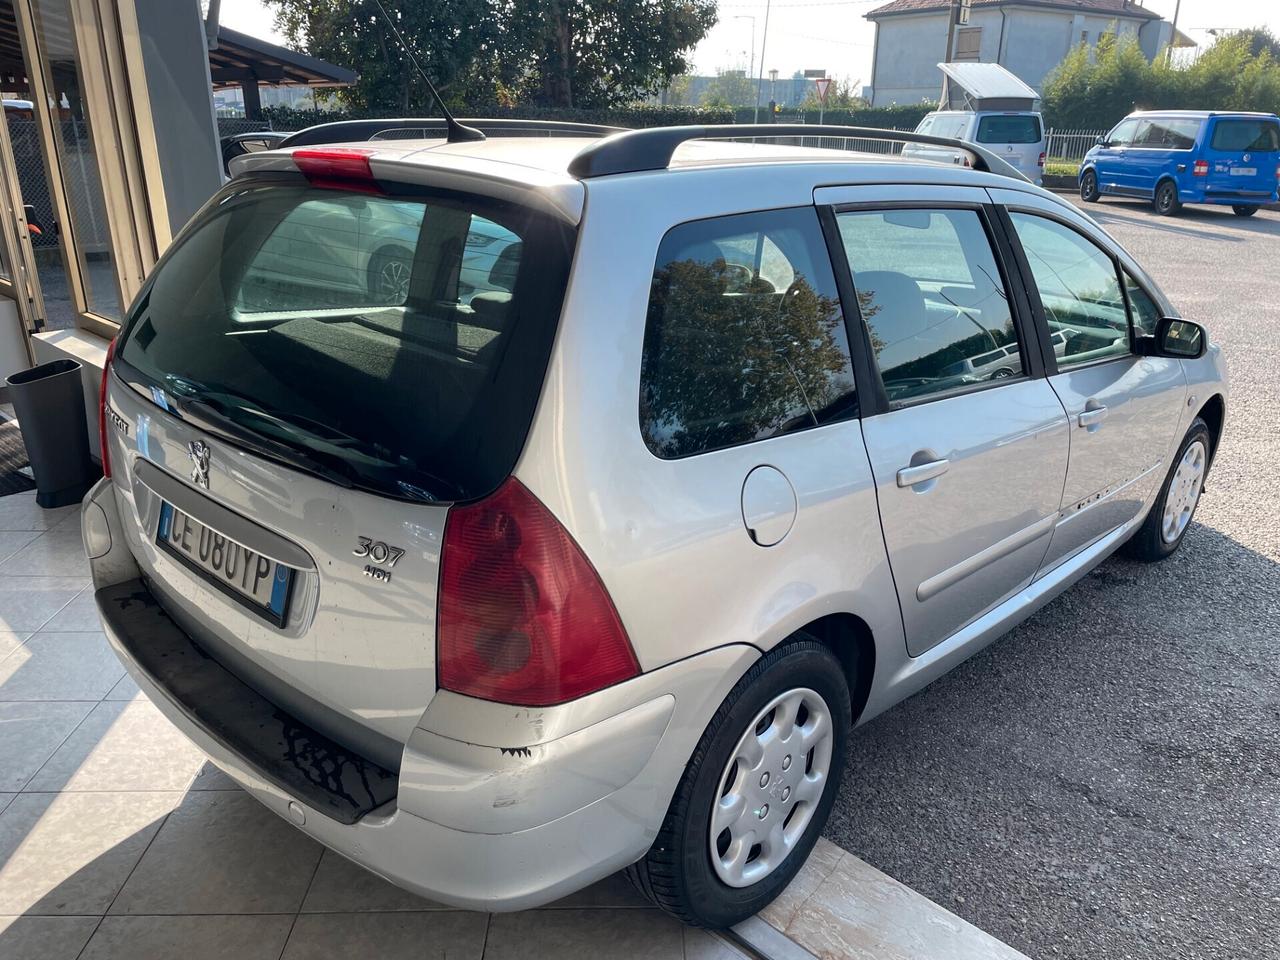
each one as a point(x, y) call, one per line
point(1069, 146)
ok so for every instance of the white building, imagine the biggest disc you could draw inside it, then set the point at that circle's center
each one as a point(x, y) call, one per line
point(1027, 37)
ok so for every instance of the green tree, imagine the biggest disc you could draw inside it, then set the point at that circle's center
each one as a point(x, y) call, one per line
point(590, 53)
point(730, 88)
point(447, 37)
point(1094, 89)
point(841, 95)
point(562, 53)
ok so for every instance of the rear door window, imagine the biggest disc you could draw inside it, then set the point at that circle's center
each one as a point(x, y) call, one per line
point(1239, 136)
point(369, 338)
point(745, 339)
point(933, 300)
point(1016, 128)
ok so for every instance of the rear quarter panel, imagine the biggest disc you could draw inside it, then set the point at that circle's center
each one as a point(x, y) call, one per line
point(667, 536)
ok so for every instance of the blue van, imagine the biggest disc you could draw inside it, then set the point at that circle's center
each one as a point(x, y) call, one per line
point(1172, 157)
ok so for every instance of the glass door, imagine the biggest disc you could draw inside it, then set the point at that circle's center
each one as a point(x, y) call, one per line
point(78, 170)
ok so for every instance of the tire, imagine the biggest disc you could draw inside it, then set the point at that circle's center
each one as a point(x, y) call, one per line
point(1166, 200)
point(1244, 211)
point(678, 873)
point(1158, 537)
point(1089, 192)
point(385, 287)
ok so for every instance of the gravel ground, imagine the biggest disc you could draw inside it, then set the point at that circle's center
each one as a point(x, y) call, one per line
point(1104, 782)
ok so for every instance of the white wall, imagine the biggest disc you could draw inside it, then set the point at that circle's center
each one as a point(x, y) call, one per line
point(909, 48)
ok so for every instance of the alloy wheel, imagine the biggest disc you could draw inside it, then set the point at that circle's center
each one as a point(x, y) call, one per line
point(1184, 492)
point(771, 787)
point(393, 281)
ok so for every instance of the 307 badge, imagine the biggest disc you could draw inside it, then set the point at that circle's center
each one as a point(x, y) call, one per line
point(380, 553)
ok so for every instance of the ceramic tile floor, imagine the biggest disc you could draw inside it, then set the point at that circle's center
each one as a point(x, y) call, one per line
point(117, 840)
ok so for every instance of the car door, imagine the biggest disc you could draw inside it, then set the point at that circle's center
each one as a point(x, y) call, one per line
point(1124, 409)
point(1110, 160)
point(968, 465)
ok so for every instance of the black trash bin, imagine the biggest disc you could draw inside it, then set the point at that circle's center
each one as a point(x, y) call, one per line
point(49, 402)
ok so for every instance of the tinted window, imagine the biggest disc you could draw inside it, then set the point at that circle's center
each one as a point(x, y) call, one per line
point(1079, 289)
point(1142, 309)
point(1239, 135)
point(1019, 128)
point(1123, 133)
point(1168, 134)
point(363, 337)
point(745, 339)
point(932, 299)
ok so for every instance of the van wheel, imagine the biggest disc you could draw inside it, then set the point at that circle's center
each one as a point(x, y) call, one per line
point(1167, 203)
point(756, 793)
point(1244, 211)
point(1089, 187)
point(1170, 517)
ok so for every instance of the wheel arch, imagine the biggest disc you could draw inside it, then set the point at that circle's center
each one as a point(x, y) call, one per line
point(848, 637)
point(1214, 413)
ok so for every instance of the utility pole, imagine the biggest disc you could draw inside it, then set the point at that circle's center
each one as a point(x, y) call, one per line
point(1173, 37)
point(764, 42)
point(953, 14)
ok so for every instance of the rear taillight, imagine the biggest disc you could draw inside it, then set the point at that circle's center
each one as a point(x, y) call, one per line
point(338, 168)
point(1040, 162)
point(523, 616)
point(102, 410)
point(1201, 169)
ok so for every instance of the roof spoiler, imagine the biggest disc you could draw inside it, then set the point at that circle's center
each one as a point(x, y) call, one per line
point(633, 151)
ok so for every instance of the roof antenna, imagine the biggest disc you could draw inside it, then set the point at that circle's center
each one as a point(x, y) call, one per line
point(455, 132)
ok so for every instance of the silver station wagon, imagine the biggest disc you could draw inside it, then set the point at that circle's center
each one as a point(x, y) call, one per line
point(497, 584)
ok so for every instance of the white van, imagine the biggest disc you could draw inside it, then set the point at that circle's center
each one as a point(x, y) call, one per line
point(1016, 136)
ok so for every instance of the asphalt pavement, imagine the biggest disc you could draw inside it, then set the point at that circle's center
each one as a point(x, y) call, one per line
point(1104, 782)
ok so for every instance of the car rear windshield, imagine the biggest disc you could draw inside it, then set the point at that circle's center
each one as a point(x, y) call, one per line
point(1237, 136)
point(1012, 128)
point(393, 343)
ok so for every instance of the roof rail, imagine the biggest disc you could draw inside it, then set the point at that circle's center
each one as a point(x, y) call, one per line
point(632, 151)
point(346, 131)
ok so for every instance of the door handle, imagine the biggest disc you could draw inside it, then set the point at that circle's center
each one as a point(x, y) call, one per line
point(1092, 416)
point(920, 473)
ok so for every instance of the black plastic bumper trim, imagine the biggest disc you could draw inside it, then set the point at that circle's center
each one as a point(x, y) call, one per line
point(286, 752)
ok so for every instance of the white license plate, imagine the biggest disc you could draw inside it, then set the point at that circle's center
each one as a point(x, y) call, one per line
point(256, 581)
point(1244, 171)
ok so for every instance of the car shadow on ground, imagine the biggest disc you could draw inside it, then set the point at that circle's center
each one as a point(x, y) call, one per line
point(1187, 220)
point(1102, 781)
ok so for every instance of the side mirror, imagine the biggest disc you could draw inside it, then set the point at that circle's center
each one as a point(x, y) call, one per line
point(1178, 339)
point(1103, 142)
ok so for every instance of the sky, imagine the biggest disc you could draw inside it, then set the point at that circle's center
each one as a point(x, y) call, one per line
point(826, 35)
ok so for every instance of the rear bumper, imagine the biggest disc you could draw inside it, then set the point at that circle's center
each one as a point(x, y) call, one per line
point(493, 808)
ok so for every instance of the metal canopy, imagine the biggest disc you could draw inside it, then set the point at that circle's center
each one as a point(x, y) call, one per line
point(239, 57)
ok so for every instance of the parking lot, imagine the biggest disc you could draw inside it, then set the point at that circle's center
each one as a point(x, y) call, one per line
point(1102, 782)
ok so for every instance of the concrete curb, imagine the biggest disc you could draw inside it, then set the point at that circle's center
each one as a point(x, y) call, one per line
point(841, 908)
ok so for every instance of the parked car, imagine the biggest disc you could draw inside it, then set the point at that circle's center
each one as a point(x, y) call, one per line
point(1172, 157)
point(599, 570)
point(1016, 136)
